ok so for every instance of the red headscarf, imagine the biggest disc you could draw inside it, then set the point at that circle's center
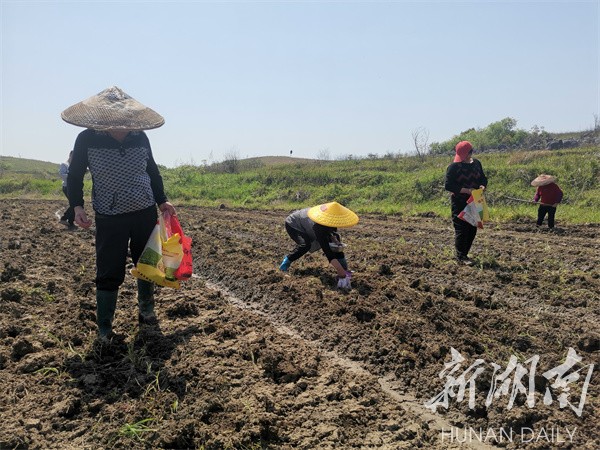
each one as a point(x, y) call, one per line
point(462, 151)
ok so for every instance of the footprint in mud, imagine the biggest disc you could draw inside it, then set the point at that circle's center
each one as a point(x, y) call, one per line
point(21, 348)
point(270, 278)
point(362, 287)
point(182, 309)
point(364, 315)
point(11, 273)
point(11, 295)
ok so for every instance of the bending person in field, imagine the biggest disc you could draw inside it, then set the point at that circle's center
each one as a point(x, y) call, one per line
point(127, 187)
point(463, 176)
point(549, 195)
point(316, 228)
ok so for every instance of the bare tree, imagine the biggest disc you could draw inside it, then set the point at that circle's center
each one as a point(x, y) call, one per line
point(231, 161)
point(420, 137)
point(323, 154)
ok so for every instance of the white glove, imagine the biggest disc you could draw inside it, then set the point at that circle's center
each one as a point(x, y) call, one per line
point(344, 283)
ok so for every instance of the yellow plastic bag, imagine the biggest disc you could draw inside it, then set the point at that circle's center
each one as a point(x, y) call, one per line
point(476, 212)
point(161, 256)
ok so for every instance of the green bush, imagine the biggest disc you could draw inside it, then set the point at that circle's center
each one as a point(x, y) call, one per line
point(501, 134)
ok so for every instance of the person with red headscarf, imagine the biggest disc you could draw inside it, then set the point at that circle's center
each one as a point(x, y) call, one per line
point(463, 176)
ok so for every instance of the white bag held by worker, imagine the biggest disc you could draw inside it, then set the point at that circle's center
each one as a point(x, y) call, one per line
point(161, 256)
point(476, 211)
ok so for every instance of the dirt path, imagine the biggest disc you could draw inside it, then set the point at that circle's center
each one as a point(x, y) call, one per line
point(247, 357)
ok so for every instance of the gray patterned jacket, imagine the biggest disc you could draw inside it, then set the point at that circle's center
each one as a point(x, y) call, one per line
point(124, 175)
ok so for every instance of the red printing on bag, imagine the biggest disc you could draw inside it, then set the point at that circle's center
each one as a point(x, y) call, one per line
point(186, 268)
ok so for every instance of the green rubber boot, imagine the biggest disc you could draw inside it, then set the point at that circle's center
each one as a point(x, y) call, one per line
point(146, 301)
point(106, 303)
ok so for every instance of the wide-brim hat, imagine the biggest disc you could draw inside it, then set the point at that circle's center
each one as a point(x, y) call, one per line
point(333, 215)
point(543, 180)
point(112, 109)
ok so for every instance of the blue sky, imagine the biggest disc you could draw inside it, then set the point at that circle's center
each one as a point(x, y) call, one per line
point(264, 78)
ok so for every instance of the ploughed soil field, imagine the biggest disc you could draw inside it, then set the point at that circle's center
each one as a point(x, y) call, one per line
point(421, 353)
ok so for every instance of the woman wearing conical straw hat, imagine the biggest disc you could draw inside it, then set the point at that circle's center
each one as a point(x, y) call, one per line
point(549, 195)
point(127, 187)
point(316, 228)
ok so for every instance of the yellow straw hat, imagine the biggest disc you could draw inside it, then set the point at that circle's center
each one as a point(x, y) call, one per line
point(333, 215)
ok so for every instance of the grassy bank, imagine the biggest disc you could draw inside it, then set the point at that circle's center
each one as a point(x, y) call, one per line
point(401, 185)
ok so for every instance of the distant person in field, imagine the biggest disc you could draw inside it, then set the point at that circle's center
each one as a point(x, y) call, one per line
point(316, 228)
point(127, 187)
point(549, 195)
point(68, 216)
point(463, 176)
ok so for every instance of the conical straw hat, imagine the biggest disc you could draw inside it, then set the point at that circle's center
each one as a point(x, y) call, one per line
point(543, 180)
point(112, 109)
point(333, 215)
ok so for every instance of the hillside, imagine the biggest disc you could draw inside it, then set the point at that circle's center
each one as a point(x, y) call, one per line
point(9, 164)
point(276, 160)
point(403, 185)
point(398, 184)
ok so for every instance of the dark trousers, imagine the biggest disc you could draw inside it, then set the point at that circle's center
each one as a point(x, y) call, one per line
point(114, 236)
point(464, 232)
point(69, 214)
point(464, 235)
point(542, 211)
point(302, 240)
